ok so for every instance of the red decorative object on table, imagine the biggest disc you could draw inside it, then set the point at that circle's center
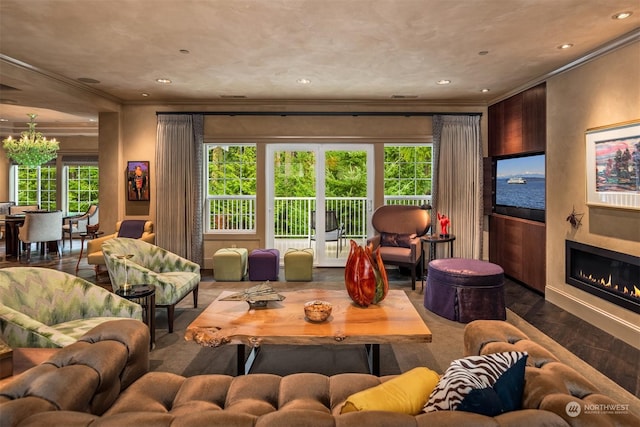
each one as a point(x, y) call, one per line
point(365, 276)
point(444, 224)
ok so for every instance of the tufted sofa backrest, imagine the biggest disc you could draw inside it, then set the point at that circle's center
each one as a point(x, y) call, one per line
point(549, 384)
point(86, 376)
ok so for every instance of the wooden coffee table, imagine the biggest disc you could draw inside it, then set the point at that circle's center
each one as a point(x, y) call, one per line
point(394, 320)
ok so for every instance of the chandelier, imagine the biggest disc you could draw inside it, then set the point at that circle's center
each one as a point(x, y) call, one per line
point(33, 148)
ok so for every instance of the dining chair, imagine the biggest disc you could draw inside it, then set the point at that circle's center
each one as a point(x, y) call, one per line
point(20, 209)
point(41, 227)
point(78, 224)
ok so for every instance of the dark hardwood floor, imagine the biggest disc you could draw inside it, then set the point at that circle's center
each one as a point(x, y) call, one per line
point(609, 355)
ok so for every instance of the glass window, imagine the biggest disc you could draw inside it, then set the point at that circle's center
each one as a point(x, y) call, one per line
point(82, 188)
point(407, 174)
point(231, 187)
point(36, 186)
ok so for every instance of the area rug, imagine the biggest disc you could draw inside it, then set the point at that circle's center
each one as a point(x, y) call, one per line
point(172, 353)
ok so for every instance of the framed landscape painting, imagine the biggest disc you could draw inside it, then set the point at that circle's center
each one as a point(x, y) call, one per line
point(613, 165)
point(138, 181)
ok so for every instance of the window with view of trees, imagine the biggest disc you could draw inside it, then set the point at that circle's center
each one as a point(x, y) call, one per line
point(82, 187)
point(231, 187)
point(231, 183)
point(37, 186)
point(407, 172)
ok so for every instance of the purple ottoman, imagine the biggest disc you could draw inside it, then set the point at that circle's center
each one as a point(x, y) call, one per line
point(465, 289)
point(264, 264)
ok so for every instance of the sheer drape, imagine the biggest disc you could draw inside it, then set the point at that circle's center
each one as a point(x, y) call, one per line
point(457, 186)
point(179, 184)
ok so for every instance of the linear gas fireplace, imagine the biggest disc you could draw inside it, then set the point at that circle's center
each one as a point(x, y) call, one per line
point(611, 275)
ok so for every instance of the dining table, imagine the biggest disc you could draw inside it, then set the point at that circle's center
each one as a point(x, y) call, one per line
point(12, 228)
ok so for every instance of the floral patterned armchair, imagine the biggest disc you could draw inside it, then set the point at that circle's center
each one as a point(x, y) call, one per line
point(173, 276)
point(41, 307)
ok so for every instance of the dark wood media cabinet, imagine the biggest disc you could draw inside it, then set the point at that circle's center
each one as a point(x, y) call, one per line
point(519, 247)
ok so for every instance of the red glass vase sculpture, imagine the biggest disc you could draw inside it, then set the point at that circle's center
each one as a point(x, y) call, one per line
point(365, 276)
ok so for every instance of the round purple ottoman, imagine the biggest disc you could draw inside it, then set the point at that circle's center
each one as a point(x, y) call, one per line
point(464, 290)
point(264, 264)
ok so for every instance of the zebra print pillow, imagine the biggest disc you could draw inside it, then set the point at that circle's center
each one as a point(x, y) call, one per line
point(488, 385)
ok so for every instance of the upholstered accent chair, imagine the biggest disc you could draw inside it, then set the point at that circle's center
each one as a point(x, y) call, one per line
point(173, 276)
point(42, 307)
point(94, 246)
point(78, 224)
point(41, 227)
point(399, 229)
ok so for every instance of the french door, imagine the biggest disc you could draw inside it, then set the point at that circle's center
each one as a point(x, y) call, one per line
point(311, 186)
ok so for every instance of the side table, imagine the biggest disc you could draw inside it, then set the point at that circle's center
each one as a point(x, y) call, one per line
point(433, 240)
point(145, 295)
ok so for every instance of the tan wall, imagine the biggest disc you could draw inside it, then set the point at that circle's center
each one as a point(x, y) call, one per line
point(602, 92)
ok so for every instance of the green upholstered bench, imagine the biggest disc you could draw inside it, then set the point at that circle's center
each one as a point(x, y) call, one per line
point(230, 264)
point(298, 265)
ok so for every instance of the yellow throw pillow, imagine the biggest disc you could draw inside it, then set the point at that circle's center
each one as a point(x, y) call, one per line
point(406, 394)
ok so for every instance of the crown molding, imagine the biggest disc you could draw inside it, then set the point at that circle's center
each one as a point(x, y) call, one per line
point(622, 41)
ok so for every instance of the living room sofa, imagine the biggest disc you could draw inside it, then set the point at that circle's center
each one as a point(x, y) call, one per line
point(102, 380)
point(42, 307)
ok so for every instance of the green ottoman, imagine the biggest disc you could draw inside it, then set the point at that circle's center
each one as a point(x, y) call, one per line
point(230, 264)
point(298, 265)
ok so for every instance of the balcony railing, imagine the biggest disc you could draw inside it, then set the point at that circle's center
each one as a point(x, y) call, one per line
point(292, 215)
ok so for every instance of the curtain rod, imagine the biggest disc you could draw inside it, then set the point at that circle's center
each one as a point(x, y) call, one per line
point(315, 113)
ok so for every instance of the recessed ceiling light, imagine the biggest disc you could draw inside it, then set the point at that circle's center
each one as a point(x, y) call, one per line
point(163, 81)
point(485, 90)
point(443, 82)
point(4, 120)
point(145, 94)
point(565, 46)
point(622, 15)
point(303, 81)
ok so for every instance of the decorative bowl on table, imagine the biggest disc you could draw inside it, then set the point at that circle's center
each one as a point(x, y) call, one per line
point(317, 311)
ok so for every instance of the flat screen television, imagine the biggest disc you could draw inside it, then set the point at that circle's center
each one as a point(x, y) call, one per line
point(520, 186)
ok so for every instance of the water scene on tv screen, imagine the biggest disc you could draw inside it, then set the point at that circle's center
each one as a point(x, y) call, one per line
point(520, 182)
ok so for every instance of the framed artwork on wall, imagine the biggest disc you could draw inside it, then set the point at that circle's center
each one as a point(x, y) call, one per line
point(138, 181)
point(613, 165)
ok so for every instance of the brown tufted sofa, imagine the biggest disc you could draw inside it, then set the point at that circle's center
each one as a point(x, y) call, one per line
point(101, 381)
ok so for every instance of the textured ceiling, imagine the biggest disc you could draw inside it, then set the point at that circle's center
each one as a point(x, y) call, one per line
point(259, 49)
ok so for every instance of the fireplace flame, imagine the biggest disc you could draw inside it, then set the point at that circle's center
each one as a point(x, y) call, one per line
point(603, 282)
